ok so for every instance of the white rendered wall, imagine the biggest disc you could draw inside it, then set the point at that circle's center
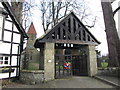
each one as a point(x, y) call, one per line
point(15, 49)
point(6, 75)
point(14, 73)
point(5, 48)
point(15, 29)
point(14, 61)
point(16, 38)
point(1, 24)
point(8, 25)
point(7, 36)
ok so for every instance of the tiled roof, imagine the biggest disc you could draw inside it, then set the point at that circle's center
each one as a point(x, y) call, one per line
point(31, 29)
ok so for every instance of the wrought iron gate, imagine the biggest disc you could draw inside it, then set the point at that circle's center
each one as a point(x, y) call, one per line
point(79, 65)
point(63, 66)
point(69, 65)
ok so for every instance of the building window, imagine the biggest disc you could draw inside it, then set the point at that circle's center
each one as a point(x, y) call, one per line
point(4, 60)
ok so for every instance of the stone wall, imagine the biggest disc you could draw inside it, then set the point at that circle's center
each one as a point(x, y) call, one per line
point(30, 61)
point(32, 76)
point(34, 61)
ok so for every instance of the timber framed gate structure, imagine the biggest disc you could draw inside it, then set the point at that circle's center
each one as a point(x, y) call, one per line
point(68, 34)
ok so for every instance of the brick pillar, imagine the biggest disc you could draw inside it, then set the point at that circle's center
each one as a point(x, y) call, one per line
point(92, 60)
point(49, 61)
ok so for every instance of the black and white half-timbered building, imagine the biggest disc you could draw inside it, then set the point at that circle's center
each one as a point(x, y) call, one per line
point(12, 36)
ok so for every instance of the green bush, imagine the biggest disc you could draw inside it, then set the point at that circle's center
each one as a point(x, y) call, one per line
point(104, 64)
point(61, 67)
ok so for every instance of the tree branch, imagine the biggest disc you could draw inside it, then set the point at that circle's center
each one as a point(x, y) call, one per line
point(93, 23)
point(116, 10)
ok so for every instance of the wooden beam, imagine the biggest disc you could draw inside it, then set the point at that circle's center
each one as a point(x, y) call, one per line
point(69, 42)
point(71, 28)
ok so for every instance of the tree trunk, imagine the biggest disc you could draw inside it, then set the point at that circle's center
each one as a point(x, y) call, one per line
point(17, 8)
point(53, 11)
point(112, 36)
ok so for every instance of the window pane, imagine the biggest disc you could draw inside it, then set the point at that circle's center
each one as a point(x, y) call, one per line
point(1, 58)
point(6, 62)
point(1, 62)
point(6, 58)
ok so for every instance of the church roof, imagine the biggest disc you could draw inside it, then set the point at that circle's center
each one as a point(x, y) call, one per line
point(31, 29)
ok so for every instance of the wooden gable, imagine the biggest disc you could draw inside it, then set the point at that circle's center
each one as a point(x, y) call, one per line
point(69, 30)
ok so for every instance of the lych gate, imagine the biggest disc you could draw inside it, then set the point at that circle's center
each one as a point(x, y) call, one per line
point(67, 49)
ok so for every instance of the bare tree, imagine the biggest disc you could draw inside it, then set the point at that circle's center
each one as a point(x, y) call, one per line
point(116, 10)
point(53, 12)
point(27, 14)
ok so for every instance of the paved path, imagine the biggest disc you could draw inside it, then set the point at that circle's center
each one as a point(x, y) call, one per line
point(109, 79)
point(74, 82)
point(109, 76)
